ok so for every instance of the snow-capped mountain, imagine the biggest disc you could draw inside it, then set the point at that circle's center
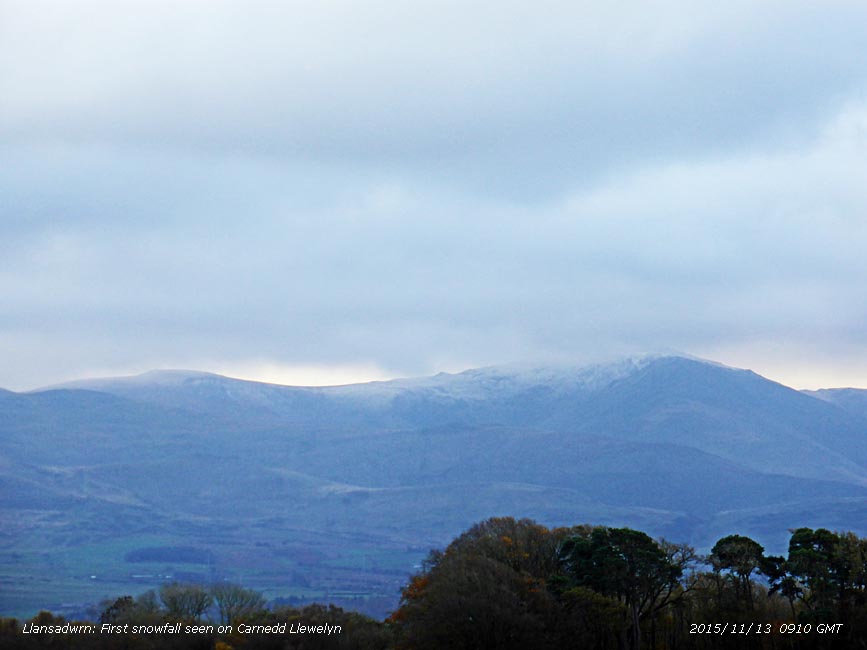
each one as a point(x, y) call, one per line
point(676, 446)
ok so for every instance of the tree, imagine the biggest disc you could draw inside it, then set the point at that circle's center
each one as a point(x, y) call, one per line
point(830, 570)
point(185, 601)
point(776, 569)
point(625, 564)
point(520, 544)
point(740, 557)
point(472, 602)
point(117, 610)
point(590, 619)
point(147, 603)
point(812, 561)
point(234, 601)
point(486, 590)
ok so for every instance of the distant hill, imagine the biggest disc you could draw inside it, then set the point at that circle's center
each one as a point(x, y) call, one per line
point(314, 492)
point(853, 400)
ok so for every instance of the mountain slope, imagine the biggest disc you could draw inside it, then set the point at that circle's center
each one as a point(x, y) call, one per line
point(853, 400)
point(298, 488)
point(731, 413)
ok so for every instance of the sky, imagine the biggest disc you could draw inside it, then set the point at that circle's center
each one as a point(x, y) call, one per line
point(334, 191)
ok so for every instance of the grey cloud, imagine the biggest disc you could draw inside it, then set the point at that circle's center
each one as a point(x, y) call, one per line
point(504, 98)
point(416, 187)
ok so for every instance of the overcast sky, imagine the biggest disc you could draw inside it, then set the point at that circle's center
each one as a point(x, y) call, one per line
point(327, 191)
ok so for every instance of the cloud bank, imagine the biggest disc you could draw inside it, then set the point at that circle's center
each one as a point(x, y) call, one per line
point(431, 185)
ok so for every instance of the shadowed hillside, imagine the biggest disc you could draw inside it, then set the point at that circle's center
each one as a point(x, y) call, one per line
point(309, 492)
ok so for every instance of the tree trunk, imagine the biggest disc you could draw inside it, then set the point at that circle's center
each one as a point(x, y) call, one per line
point(636, 630)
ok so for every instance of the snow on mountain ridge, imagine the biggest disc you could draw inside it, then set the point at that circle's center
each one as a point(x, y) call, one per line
point(471, 384)
point(149, 378)
point(481, 383)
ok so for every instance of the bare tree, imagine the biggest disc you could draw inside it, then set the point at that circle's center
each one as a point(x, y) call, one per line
point(234, 601)
point(185, 601)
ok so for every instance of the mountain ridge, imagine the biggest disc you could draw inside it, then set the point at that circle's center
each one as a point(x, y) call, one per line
point(523, 370)
point(248, 471)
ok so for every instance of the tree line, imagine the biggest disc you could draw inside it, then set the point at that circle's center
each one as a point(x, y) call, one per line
point(514, 584)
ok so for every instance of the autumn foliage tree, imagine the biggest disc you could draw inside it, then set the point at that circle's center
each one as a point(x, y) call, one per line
point(486, 590)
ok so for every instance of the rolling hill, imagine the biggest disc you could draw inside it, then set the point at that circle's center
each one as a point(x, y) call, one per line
point(337, 492)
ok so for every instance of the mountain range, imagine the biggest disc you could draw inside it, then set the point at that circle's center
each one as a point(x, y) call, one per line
point(112, 486)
